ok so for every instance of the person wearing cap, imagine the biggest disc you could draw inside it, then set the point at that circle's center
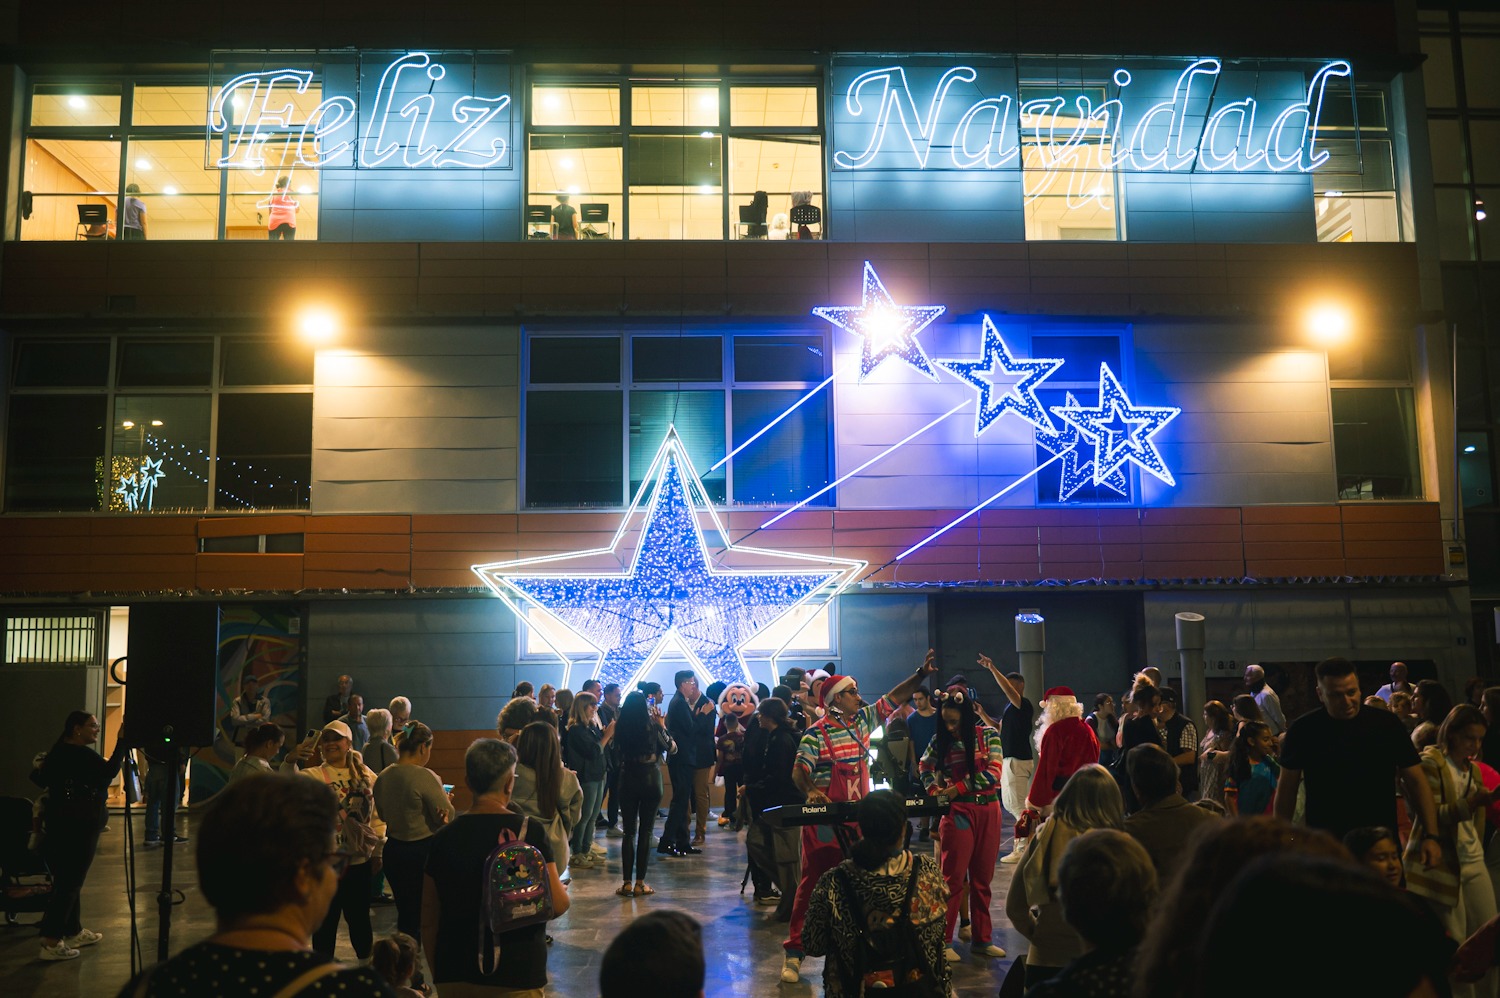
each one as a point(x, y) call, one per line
point(1067, 744)
point(833, 764)
point(361, 836)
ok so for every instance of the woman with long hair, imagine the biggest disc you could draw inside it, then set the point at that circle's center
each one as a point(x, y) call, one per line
point(885, 878)
point(1213, 751)
point(641, 731)
point(1138, 727)
point(586, 742)
point(261, 746)
point(1431, 703)
point(1244, 708)
point(1090, 799)
point(962, 765)
point(1458, 889)
point(1253, 772)
point(361, 835)
point(411, 799)
point(545, 790)
point(77, 781)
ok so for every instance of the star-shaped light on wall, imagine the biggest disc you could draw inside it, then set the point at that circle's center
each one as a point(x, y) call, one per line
point(996, 362)
point(887, 329)
point(1120, 431)
point(672, 596)
point(1077, 472)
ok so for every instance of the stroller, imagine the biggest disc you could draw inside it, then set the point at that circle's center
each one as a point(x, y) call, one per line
point(25, 883)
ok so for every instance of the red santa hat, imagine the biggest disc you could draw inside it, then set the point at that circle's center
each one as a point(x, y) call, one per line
point(832, 687)
point(1059, 691)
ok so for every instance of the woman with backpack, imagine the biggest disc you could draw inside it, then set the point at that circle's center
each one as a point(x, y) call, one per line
point(361, 837)
point(545, 790)
point(460, 909)
point(879, 915)
point(642, 736)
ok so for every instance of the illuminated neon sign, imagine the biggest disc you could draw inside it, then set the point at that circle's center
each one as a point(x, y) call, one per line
point(672, 597)
point(138, 491)
point(1189, 125)
point(406, 116)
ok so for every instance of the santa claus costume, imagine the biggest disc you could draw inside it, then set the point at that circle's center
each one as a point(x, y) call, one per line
point(1067, 744)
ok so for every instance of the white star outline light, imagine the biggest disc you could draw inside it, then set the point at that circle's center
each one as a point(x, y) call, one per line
point(1077, 473)
point(672, 597)
point(139, 490)
point(1120, 431)
point(886, 329)
point(1020, 398)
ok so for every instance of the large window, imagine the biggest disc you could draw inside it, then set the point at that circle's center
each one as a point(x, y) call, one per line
point(644, 159)
point(598, 405)
point(1071, 186)
point(1355, 191)
point(139, 425)
point(1374, 419)
point(137, 150)
point(1082, 352)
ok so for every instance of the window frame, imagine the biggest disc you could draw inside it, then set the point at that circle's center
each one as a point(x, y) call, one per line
point(1408, 384)
point(1125, 371)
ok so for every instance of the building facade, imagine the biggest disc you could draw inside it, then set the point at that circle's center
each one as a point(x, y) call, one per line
point(1155, 326)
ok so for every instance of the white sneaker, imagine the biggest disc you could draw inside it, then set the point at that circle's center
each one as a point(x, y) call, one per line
point(62, 951)
point(1014, 857)
point(597, 850)
point(85, 937)
point(583, 862)
point(988, 949)
point(791, 970)
point(965, 933)
point(951, 955)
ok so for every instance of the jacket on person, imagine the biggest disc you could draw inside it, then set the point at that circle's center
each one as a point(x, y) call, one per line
point(569, 809)
point(1441, 883)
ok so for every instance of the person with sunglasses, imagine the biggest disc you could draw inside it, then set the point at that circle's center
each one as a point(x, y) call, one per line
point(280, 830)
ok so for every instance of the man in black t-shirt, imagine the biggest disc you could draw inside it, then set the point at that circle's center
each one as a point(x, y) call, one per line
point(1349, 756)
point(1016, 723)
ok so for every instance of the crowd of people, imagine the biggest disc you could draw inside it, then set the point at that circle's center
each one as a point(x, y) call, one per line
point(1146, 853)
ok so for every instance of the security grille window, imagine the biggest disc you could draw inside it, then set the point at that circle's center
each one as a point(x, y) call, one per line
point(51, 640)
point(598, 405)
point(134, 425)
point(671, 159)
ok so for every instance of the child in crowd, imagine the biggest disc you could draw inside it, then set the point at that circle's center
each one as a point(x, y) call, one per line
point(1253, 771)
point(1378, 849)
point(395, 960)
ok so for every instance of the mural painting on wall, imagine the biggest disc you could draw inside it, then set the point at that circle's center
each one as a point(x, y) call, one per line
point(666, 593)
point(264, 641)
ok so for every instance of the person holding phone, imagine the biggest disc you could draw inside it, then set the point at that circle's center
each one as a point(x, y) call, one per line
point(412, 800)
point(641, 732)
point(262, 745)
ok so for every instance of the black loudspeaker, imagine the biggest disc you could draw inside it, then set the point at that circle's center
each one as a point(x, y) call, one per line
point(173, 656)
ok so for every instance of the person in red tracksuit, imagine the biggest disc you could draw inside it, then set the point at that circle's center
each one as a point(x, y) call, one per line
point(833, 764)
point(962, 764)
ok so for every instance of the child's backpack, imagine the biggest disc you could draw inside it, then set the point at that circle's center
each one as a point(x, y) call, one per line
point(890, 961)
point(517, 892)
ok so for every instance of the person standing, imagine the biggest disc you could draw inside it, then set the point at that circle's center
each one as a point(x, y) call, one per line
point(921, 725)
point(163, 791)
point(361, 835)
point(587, 745)
point(962, 765)
point(682, 764)
point(1398, 683)
point(1181, 741)
point(337, 703)
point(1138, 728)
point(1251, 777)
point(1348, 756)
point(770, 753)
point(609, 713)
point(132, 214)
point(641, 732)
point(705, 758)
point(400, 713)
point(281, 212)
point(1213, 751)
point(354, 717)
point(249, 710)
point(544, 789)
point(1105, 724)
point(1265, 698)
point(833, 764)
point(77, 781)
point(1016, 723)
point(378, 751)
point(1166, 821)
point(564, 219)
point(410, 798)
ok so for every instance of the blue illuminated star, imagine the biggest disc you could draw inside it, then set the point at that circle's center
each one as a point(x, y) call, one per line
point(1120, 431)
point(672, 596)
point(1076, 472)
point(887, 329)
point(995, 360)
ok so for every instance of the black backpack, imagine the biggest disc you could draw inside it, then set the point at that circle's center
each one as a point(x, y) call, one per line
point(889, 959)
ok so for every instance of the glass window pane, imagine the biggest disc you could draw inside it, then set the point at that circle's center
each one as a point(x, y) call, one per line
point(1488, 204)
point(1437, 72)
point(178, 198)
point(1482, 71)
point(54, 454)
point(790, 461)
point(551, 105)
point(573, 449)
point(1454, 210)
point(75, 104)
point(1083, 355)
point(167, 363)
point(1375, 443)
point(264, 451)
point(1447, 151)
point(758, 107)
point(779, 358)
point(587, 168)
point(1049, 478)
point(675, 187)
point(777, 165)
point(184, 105)
point(1371, 357)
point(677, 358)
point(674, 107)
point(1474, 472)
point(1484, 147)
point(1070, 191)
point(265, 362)
point(257, 205)
point(63, 174)
point(61, 364)
point(575, 360)
point(699, 419)
point(161, 454)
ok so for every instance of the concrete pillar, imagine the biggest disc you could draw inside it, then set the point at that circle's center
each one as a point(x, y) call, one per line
point(1031, 642)
point(1191, 639)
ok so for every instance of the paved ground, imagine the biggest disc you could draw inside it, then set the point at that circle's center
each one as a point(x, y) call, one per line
point(744, 946)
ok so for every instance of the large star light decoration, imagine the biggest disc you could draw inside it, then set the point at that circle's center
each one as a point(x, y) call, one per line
point(887, 329)
point(672, 597)
point(997, 364)
point(1120, 431)
point(1076, 472)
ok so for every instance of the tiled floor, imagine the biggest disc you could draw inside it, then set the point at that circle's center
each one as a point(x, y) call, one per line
point(744, 946)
